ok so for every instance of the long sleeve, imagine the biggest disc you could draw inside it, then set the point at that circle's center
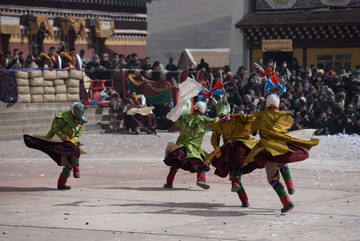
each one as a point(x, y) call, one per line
point(57, 126)
point(78, 134)
point(215, 139)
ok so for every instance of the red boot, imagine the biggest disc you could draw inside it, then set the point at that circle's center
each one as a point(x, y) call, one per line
point(170, 178)
point(287, 203)
point(201, 179)
point(76, 171)
point(62, 184)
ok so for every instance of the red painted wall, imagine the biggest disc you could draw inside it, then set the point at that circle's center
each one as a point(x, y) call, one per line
point(141, 50)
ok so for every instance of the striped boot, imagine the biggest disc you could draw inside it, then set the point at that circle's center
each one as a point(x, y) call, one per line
point(284, 197)
point(243, 197)
point(201, 179)
point(76, 167)
point(170, 178)
point(285, 172)
point(236, 179)
point(63, 179)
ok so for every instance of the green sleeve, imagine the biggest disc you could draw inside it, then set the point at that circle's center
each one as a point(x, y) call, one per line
point(57, 126)
point(78, 134)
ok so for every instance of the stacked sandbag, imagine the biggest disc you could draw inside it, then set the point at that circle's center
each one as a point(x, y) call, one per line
point(23, 87)
point(48, 85)
point(49, 88)
point(36, 82)
point(73, 85)
point(87, 81)
point(60, 90)
point(62, 74)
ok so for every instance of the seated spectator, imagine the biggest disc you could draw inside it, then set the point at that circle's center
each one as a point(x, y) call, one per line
point(138, 116)
point(355, 101)
point(160, 112)
point(303, 118)
point(115, 101)
point(350, 122)
point(333, 124)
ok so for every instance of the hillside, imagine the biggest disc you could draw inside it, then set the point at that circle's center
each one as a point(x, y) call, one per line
point(175, 25)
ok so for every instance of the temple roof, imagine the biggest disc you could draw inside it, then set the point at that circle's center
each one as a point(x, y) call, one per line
point(299, 19)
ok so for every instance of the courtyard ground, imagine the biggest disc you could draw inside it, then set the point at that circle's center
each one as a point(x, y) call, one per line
point(120, 196)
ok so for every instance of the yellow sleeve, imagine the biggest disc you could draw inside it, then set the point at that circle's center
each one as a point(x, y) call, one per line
point(255, 126)
point(215, 139)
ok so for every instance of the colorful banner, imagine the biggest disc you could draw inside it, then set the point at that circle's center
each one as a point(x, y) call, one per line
point(156, 92)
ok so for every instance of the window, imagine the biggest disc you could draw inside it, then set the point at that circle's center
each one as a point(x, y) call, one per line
point(336, 61)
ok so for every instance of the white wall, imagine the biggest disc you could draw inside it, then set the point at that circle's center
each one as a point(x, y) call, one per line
point(239, 47)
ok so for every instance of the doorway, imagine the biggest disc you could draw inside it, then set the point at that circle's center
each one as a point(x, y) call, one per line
point(278, 57)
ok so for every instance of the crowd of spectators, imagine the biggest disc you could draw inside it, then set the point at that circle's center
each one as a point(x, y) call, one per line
point(317, 98)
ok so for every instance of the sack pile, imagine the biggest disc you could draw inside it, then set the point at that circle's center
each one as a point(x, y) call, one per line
point(48, 86)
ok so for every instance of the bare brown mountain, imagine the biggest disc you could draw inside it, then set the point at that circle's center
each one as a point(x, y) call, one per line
point(174, 25)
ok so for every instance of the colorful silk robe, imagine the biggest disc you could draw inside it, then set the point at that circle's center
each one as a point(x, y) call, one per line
point(272, 127)
point(64, 125)
point(193, 128)
point(237, 128)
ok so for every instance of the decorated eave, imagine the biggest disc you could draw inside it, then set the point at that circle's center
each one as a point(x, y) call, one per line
point(301, 25)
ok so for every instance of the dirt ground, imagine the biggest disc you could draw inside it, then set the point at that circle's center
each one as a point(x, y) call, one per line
point(120, 196)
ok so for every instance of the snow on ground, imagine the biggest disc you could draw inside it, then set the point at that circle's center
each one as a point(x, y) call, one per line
point(332, 150)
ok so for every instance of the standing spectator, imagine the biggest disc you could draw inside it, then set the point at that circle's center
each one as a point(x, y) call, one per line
point(15, 62)
point(284, 71)
point(115, 59)
point(29, 63)
point(92, 66)
point(7, 58)
point(241, 77)
point(134, 63)
point(105, 66)
point(117, 74)
point(294, 65)
point(54, 59)
point(171, 66)
point(156, 66)
point(204, 65)
point(83, 58)
point(21, 59)
point(147, 64)
point(191, 67)
point(76, 60)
